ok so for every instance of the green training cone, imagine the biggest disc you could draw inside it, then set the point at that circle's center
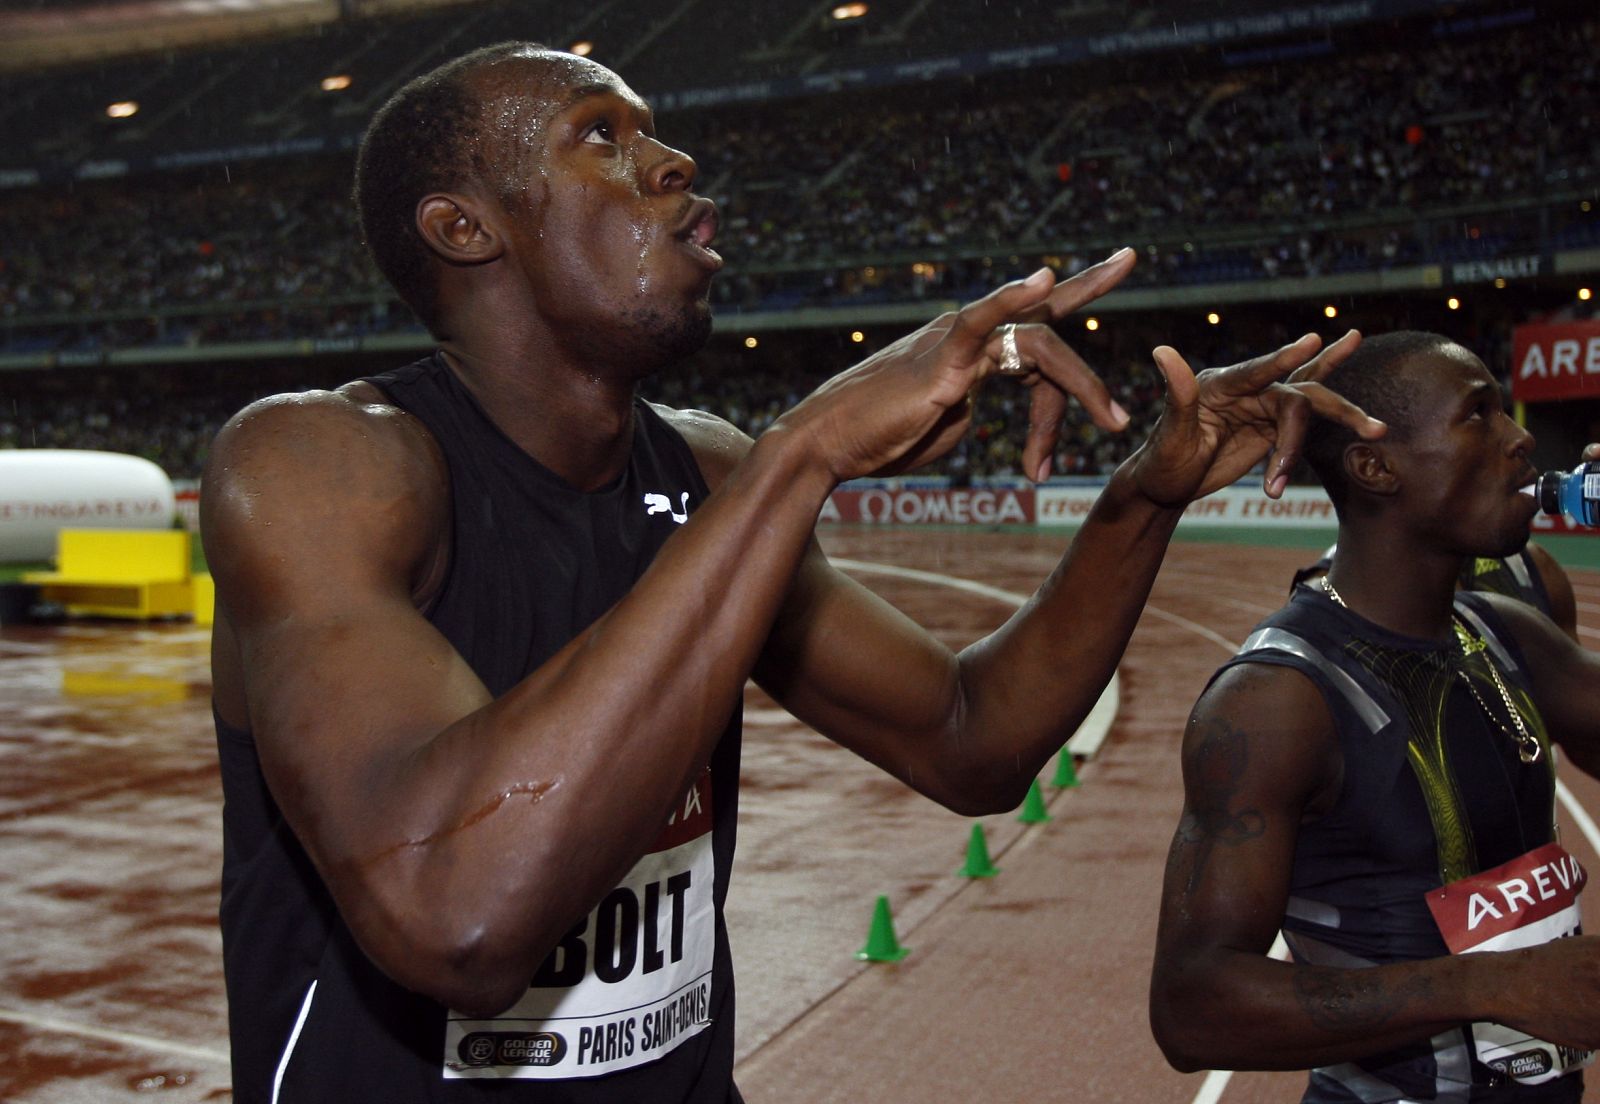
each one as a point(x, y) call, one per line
point(1033, 810)
point(978, 864)
point(882, 946)
point(1066, 772)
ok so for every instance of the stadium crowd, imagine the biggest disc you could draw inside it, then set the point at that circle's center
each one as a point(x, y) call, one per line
point(1353, 160)
point(174, 430)
point(1363, 160)
point(1334, 137)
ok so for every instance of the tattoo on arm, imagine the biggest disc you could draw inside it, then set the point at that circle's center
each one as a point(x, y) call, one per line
point(1345, 1001)
point(1220, 764)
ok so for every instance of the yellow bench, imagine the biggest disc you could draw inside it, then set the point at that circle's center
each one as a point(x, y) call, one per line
point(133, 573)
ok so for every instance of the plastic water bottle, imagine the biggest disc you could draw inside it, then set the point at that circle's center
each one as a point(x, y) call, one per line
point(1575, 493)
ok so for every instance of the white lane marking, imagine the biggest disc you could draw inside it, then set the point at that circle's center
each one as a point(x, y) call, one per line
point(121, 1038)
point(1091, 733)
point(932, 577)
point(1197, 629)
point(1579, 815)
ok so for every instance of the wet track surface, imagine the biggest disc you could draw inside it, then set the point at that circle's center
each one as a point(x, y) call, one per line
point(109, 821)
point(1028, 987)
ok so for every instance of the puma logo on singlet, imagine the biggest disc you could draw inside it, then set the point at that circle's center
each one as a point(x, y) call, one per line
point(661, 504)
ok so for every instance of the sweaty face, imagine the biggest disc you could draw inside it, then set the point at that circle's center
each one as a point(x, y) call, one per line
point(1464, 464)
point(614, 246)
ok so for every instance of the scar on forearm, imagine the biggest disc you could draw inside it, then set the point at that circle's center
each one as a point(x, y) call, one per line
point(534, 791)
point(1345, 1001)
point(1220, 764)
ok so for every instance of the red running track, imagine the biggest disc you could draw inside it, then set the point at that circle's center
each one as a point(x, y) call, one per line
point(1027, 987)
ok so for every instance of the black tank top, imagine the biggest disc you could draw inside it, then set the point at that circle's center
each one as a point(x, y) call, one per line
point(1516, 576)
point(1432, 792)
point(637, 1003)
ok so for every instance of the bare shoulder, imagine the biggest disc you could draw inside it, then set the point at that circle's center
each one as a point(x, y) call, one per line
point(1544, 561)
point(1266, 725)
point(324, 478)
point(718, 445)
point(345, 442)
point(285, 426)
point(1264, 691)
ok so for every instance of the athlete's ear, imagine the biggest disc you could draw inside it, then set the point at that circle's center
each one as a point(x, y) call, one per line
point(1367, 466)
point(453, 227)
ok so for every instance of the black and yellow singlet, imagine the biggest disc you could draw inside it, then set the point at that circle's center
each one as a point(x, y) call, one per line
point(1433, 790)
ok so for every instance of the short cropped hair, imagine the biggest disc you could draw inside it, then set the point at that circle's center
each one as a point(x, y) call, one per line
point(1372, 379)
point(426, 138)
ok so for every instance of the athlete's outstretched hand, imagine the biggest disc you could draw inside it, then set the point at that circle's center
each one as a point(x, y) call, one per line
point(910, 402)
point(1052, 371)
point(1219, 424)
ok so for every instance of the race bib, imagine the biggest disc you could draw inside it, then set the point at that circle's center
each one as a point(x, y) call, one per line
point(627, 985)
point(1528, 901)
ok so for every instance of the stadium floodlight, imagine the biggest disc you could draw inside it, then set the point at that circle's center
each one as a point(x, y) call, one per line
point(122, 109)
point(336, 83)
point(849, 11)
point(583, 48)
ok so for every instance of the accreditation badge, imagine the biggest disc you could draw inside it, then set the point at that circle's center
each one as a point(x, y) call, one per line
point(630, 983)
point(1528, 901)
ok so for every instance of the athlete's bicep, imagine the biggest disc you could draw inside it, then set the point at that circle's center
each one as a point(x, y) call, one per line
point(317, 525)
point(1258, 758)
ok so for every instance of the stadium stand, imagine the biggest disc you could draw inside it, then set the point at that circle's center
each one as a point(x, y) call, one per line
point(1240, 156)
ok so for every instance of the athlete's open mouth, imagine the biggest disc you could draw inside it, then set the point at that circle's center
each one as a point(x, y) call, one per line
point(698, 230)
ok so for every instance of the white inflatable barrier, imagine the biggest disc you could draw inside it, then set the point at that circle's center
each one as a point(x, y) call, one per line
point(45, 490)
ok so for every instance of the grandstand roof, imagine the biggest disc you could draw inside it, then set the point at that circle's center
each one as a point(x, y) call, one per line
point(39, 34)
point(230, 94)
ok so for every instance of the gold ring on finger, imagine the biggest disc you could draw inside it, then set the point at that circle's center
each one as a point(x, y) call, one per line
point(1010, 358)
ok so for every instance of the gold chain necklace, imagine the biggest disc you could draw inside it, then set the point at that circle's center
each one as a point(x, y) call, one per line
point(1528, 749)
